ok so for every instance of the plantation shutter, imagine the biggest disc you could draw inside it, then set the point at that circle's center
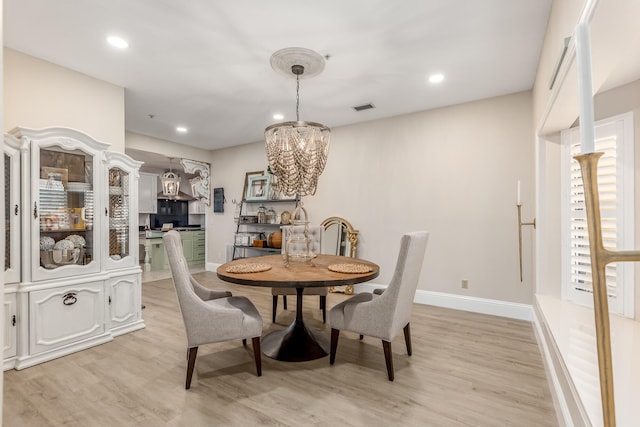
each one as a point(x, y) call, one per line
point(581, 277)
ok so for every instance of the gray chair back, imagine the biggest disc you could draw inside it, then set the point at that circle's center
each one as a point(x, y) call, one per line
point(315, 234)
point(229, 317)
point(399, 295)
point(187, 298)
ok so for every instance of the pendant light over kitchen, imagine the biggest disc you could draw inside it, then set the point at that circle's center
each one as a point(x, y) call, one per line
point(170, 182)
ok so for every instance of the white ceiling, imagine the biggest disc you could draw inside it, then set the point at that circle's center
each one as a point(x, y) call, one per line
point(205, 64)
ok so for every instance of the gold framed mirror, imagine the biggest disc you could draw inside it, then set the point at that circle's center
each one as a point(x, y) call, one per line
point(340, 238)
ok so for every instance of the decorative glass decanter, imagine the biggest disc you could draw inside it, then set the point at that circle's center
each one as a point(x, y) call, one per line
point(298, 243)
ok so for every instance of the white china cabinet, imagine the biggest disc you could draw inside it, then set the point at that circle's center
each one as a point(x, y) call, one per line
point(80, 282)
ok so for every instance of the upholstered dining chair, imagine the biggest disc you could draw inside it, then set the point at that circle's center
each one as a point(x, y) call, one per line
point(210, 316)
point(385, 315)
point(315, 233)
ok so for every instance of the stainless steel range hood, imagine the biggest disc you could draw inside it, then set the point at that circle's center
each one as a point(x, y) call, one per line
point(181, 196)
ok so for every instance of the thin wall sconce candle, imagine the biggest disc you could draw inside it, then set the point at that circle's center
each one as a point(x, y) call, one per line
point(520, 225)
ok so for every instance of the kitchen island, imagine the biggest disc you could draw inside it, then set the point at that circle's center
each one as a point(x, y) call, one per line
point(153, 256)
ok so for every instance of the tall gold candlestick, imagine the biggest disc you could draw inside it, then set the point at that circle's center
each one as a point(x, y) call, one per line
point(600, 257)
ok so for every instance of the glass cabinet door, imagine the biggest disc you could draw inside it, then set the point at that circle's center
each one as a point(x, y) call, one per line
point(119, 210)
point(64, 210)
point(12, 243)
point(121, 247)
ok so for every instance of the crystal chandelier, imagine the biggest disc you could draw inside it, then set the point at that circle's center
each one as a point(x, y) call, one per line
point(170, 182)
point(297, 151)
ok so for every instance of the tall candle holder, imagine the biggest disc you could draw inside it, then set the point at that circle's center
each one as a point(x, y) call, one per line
point(520, 225)
point(600, 257)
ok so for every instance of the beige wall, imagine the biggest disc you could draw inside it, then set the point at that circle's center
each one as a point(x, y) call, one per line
point(452, 172)
point(39, 94)
point(228, 167)
point(170, 149)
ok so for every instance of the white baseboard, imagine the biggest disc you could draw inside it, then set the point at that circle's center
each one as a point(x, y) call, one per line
point(211, 266)
point(462, 302)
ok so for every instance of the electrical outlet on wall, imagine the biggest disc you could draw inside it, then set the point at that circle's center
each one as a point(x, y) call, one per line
point(465, 284)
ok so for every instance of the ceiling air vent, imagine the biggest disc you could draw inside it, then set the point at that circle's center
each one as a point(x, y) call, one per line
point(363, 107)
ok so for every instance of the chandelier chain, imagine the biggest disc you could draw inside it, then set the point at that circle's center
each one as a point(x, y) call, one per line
point(297, 97)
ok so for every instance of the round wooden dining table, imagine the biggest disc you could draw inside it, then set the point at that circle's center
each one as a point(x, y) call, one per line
point(297, 343)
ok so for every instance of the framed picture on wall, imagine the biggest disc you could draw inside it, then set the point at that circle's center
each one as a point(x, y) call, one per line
point(246, 181)
point(258, 187)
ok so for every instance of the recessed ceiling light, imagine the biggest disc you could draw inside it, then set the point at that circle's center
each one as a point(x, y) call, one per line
point(181, 129)
point(118, 42)
point(436, 78)
point(278, 116)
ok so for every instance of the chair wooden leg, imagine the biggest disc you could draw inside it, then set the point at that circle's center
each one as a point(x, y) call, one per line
point(407, 338)
point(190, 365)
point(388, 358)
point(323, 307)
point(284, 301)
point(335, 333)
point(255, 341)
point(275, 306)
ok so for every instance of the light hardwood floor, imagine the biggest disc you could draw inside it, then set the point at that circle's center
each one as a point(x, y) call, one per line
point(466, 370)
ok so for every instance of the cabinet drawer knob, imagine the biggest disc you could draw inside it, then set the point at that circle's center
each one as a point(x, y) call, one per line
point(69, 299)
point(35, 209)
point(17, 209)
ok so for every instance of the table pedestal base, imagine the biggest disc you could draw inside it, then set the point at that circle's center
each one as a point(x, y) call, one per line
point(296, 343)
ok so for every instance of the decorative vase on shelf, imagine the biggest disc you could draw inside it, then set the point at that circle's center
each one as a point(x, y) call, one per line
point(262, 215)
point(272, 216)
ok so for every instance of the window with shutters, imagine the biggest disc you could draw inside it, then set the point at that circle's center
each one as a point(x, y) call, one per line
point(614, 138)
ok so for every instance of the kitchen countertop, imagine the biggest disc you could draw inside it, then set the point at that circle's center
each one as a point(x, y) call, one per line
point(180, 229)
point(157, 233)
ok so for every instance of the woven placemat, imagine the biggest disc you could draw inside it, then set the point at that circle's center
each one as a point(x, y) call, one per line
point(350, 268)
point(247, 268)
